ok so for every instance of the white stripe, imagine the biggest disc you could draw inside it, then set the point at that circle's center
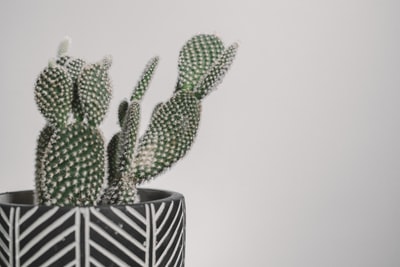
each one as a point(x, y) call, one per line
point(170, 243)
point(170, 226)
point(87, 233)
point(39, 221)
point(147, 235)
point(175, 249)
point(96, 263)
point(154, 227)
point(71, 264)
point(59, 255)
point(160, 210)
point(116, 243)
point(11, 233)
point(28, 214)
point(108, 255)
point(5, 218)
point(117, 228)
point(46, 231)
point(49, 245)
point(128, 221)
point(165, 218)
point(77, 237)
point(17, 245)
point(136, 214)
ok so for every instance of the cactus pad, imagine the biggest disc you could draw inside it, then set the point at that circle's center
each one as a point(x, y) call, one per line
point(122, 108)
point(42, 143)
point(145, 79)
point(127, 141)
point(112, 157)
point(216, 73)
point(53, 94)
point(155, 110)
point(73, 166)
point(196, 57)
point(94, 91)
point(169, 136)
point(120, 192)
point(74, 68)
point(63, 60)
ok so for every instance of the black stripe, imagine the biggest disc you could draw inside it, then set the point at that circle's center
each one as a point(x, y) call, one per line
point(151, 246)
point(81, 243)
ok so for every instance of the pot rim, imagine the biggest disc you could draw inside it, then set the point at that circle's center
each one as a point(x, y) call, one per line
point(147, 196)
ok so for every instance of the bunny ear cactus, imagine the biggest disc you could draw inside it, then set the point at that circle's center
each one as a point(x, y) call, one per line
point(74, 96)
point(203, 62)
point(121, 148)
point(70, 159)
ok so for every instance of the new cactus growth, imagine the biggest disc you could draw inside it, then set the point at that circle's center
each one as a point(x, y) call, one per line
point(73, 167)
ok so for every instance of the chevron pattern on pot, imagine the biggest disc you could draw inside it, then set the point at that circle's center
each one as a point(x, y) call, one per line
point(151, 234)
point(6, 234)
point(169, 236)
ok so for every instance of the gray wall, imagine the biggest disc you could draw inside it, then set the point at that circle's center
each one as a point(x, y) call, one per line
point(297, 158)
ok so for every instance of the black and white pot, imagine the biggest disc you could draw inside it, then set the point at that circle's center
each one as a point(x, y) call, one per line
point(149, 233)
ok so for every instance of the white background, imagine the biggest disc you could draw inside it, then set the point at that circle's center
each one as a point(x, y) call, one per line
point(297, 157)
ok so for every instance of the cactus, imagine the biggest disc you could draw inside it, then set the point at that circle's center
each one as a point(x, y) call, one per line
point(72, 165)
point(122, 146)
point(74, 96)
point(202, 64)
point(70, 161)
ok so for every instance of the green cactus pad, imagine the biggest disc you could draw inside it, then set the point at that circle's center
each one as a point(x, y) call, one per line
point(112, 156)
point(74, 67)
point(122, 108)
point(62, 60)
point(145, 79)
point(196, 57)
point(77, 106)
point(73, 167)
point(42, 143)
point(155, 110)
point(127, 142)
point(216, 73)
point(121, 192)
point(169, 136)
point(53, 94)
point(94, 91)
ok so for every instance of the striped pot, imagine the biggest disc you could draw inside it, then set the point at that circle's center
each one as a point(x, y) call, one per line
point(149, 233)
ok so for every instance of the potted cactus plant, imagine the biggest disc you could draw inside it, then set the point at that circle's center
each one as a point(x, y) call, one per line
point(86, 209)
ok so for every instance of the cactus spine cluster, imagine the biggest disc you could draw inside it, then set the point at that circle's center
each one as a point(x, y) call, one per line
point(73, 165)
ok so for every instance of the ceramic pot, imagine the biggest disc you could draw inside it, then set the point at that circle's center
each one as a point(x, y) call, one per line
point(149, 233)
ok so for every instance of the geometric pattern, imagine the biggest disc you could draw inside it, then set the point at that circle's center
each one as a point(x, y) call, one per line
point(147, 234)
